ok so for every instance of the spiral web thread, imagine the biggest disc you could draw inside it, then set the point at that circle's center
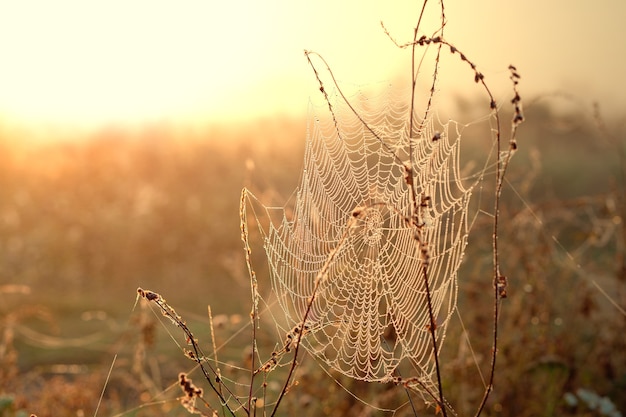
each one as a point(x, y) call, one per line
point(348, 242)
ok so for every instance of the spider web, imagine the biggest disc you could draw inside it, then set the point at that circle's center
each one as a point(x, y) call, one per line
point(350, 258)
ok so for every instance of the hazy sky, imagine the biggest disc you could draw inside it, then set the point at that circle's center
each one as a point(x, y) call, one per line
point(70, 62)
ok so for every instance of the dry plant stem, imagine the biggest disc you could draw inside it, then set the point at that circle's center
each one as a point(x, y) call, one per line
point(254, 349)
point(197, 355)
point(321, 276)
point(499, 280)
point(502, 164)
point(106, 382)
point(414, 78)
point(415, 222)
point(440, 400)
point(253, 285)
point(410, 182)
point(323, 90)
point(415, 72)
point(501, 168)
point(215, 360)
point(345, 100)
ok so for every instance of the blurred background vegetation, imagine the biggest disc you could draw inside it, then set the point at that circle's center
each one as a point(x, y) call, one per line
point(84, 223)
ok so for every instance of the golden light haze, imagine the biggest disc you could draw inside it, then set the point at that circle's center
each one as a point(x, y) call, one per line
point(75, 63)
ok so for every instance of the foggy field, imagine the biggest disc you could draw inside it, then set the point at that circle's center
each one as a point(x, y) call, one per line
point(84, 224)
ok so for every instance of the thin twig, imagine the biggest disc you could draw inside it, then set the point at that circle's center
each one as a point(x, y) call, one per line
point(319, 279)
point(414, 80)
point(499, 281)
point(346, 101)
point(410, 174)
point(253, 289)
point(106, 382)
point(215, 360)
point(196, 354)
